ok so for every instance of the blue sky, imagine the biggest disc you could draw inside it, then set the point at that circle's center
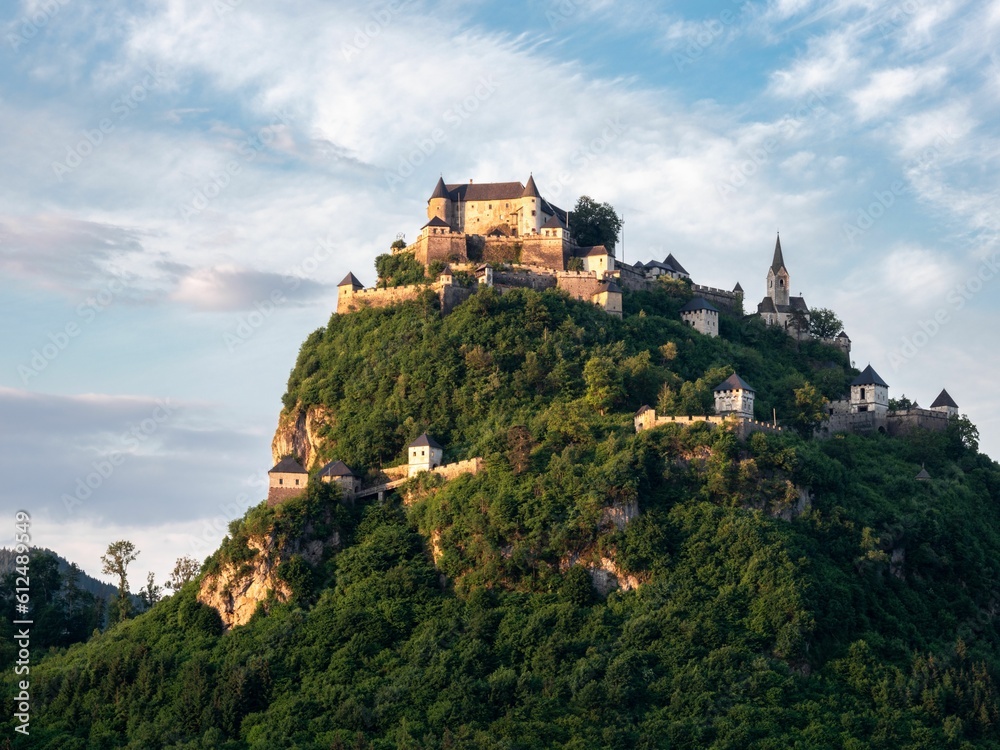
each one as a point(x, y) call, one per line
point(187, 181)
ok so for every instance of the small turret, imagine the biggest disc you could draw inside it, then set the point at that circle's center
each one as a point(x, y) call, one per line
point(439, 204)
point(946, 404)
point(531, 208)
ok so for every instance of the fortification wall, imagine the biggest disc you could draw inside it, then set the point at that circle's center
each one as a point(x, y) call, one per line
point(450, 471)
point(449, 246)
point(906, 420)
point(743, 427)
point(452, 296)
point(276, 495)
point(861, 423)
point(522, 277)
point(629, 278)
point(578, 284)
point(362, 299)
point(547, 252)
point(720, 297)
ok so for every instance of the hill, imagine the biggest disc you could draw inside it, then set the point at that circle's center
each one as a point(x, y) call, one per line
point(592, 587)
point(85, 582)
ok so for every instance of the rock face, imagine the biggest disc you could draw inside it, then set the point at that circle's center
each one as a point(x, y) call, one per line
point(237, 590)
point(298, 434)
point(606, 576)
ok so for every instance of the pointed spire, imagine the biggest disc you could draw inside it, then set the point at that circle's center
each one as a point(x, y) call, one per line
point(779, 261)
point(440, 190)
point(531, 190)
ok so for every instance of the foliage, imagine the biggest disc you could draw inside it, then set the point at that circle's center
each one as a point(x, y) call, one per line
point(793, 593)
point(594, 223)
point(824, 323)
point(115, 562)
point(185, 570)
point(398, 269)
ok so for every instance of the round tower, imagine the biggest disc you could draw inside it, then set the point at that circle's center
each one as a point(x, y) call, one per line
point(531, 208)
point(439, 204)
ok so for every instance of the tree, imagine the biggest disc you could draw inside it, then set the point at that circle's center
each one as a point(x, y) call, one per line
point(824, 323)
point(901, 404)
point(398, 269)
point(115, 562)
point(151, 594)
point(594, 223)
point(809, 403)
point(605, 386)
point(185, 569)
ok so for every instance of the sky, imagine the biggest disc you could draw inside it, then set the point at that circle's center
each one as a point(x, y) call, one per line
point(186, 181)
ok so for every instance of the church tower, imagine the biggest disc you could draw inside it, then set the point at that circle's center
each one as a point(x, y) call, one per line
point(439, 204)
point(777, 277)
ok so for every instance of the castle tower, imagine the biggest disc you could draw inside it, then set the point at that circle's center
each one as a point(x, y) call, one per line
point(343, 475)
point(869, 393)
point(531, 208)
point(734, 396)
point(286, 480)
point(439, 204)
point(946, 404)
point(702, 316)
point(424, 454)
point(345, 292)
point(778, 279)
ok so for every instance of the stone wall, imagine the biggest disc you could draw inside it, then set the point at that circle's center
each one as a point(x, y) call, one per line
point(579, 284)
point(277, 495)
point(906, 420)
point(721, 298)
point(450, 471)
point(742, 427)
point(448, 246)
point(520, 278)
point(629, 278)
point(450, 295)
point(546, 252)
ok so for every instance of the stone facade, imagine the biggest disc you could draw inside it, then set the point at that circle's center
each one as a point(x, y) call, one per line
point(734, 396)
point(286, 480)
point(424, 454)
point(702, 316)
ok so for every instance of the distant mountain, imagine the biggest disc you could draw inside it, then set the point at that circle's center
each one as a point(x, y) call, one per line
point(8, 561)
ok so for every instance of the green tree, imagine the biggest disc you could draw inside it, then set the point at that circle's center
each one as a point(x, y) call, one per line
point(824, 323)
point(594, 223)
point(151, 594)
point(115, 562)
point(809, 403)
point(185, 569)
point(398, 269)
point(605, 384)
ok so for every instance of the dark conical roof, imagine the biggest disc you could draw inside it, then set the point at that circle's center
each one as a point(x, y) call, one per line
point(440, 190)
point(336, 469)
point(843, 335)
point(425, 440)
point(671, 262)
point(351, 280)
point(779, 260)
point(699, 303)
point(923, 476)
point(288, 465)
point(868, 376)
point(944, 399)
point(437, 221)
point(531, 190)
point(613, 288)
point(553, 222)
point(737, 288)
point(734, 383)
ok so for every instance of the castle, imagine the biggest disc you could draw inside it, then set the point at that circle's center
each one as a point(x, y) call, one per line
point(289, 479)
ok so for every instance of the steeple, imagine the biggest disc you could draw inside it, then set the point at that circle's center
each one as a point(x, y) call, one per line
point(779, 261)
point(778, 279)
point(531, 190)
point(440, 190)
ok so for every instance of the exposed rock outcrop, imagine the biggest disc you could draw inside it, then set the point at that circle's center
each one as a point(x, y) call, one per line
point(298, 434)
point(237, 590)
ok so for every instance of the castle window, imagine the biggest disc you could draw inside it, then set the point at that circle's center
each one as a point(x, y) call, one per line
point(490, 206)
point(281, 480)
point(862, 394)
point(532, 213)
point(296, 482)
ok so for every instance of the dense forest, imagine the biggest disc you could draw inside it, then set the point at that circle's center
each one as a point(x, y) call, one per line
point(782, 592)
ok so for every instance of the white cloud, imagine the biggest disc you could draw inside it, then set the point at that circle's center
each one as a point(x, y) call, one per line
point(887, 88)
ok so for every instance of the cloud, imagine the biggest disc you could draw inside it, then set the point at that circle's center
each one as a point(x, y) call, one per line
point(227, 288)
point(887, 88)
point(132, 459)
point(65, 254)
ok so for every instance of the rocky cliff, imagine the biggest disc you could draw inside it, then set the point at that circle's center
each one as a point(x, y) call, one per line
point(300, 432)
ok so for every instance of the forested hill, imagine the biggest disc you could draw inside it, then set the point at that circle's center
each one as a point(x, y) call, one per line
point(8, 562)
point(782, 592)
